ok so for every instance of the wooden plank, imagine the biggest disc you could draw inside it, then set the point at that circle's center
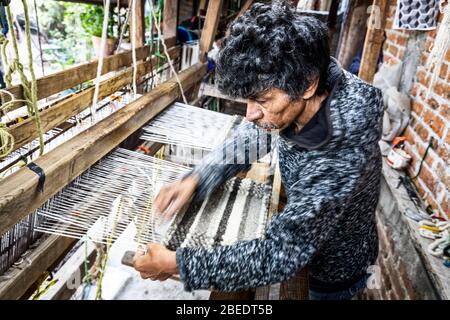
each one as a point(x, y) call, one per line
point(244, 8)
point(71, 77)
point(25, 131)
point(212, 91)
point(51, 251)
point(373, 40)
point(170, 18)
point(18, 194)
point(201, 7)
point(18, 279)
point(210, 28)
point(70, 275)
point(140, 23)
point(123, 3)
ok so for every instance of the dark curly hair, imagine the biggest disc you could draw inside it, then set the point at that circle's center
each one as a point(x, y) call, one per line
point(272, 46)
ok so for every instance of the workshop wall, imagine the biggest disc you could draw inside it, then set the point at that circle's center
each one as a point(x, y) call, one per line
point(430, 117)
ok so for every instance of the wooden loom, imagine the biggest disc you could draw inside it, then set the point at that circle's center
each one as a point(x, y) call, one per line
point(19, 193)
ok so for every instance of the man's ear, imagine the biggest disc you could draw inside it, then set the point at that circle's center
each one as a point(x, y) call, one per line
point(311, 90)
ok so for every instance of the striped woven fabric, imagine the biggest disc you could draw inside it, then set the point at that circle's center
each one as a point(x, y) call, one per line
point(237, 211)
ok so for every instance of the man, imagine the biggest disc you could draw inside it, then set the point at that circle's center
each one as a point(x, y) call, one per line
point(329, 123)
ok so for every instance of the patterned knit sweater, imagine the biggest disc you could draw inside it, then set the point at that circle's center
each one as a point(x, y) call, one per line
point(328, 223)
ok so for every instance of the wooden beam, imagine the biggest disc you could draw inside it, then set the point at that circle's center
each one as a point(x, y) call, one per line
point(373, 40)
point(140, 23)
point(25, 131)
point(201, 7)
point(123, 3)
point(244, 8)
point(212, 91)
point(47, 253)
point(69, 78)
point(18, 192)
point(210, 28)
point(170, 18)
point(69, 276)
point(18, 279)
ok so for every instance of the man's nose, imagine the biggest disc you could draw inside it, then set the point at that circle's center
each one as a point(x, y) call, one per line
point(253, 112)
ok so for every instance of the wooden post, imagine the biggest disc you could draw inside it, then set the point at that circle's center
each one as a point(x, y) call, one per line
point(373, 40)
point(210, 28)
point(201, 7)
point(244, 8)
point(170, 18)
point(140, 23)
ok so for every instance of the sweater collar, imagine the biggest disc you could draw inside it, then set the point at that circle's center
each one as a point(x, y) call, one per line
point(317, 132)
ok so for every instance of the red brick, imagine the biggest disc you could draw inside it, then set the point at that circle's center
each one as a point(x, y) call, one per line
point(442, 89)
point(409, 135)
point(431, 202)
point(444, 111)
point(430, 157)
point(389, 23)
point(422, 132)
point(435, 122)
point(398, 288)
point(443, 151)
point(414, 90)
point(417, 107)
point(427, 177)
point(442, 175)
point(401, 40)
point(423, 78)
point(445, 205)
point(433, 103)
point(391, 37)
point(443, 71)
point(410, 290)
point(424, 58)
point(401, 53)
point(391, 295)
point(393, 50)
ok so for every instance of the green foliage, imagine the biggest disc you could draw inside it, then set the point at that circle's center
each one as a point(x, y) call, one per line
point(92, 21)
point(67, 42)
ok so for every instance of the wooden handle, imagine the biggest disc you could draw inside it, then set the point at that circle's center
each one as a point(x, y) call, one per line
point(127, 258)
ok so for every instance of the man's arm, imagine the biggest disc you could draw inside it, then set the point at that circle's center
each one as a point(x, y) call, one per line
point(247, 144)
point(293, 237)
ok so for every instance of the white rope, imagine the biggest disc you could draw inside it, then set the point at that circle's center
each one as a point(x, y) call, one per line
point(100, 58)
point(161, 37)
point(133, 46)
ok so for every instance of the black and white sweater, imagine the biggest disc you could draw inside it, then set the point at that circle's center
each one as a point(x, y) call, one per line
point(332, 188)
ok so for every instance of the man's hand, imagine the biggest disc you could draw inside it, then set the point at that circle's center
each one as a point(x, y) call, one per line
point(175, 195)
point(158, 264)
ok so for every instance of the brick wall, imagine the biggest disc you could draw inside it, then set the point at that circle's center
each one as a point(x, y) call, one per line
point(430, 116)
point(403, 273)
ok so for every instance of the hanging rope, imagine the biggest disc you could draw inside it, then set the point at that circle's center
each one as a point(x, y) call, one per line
point(133, 46)
point(39, 37)
point(29, 87)
point(161, 37)
point(100, 58)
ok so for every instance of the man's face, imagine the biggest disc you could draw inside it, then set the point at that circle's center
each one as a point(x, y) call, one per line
point(273, 110)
